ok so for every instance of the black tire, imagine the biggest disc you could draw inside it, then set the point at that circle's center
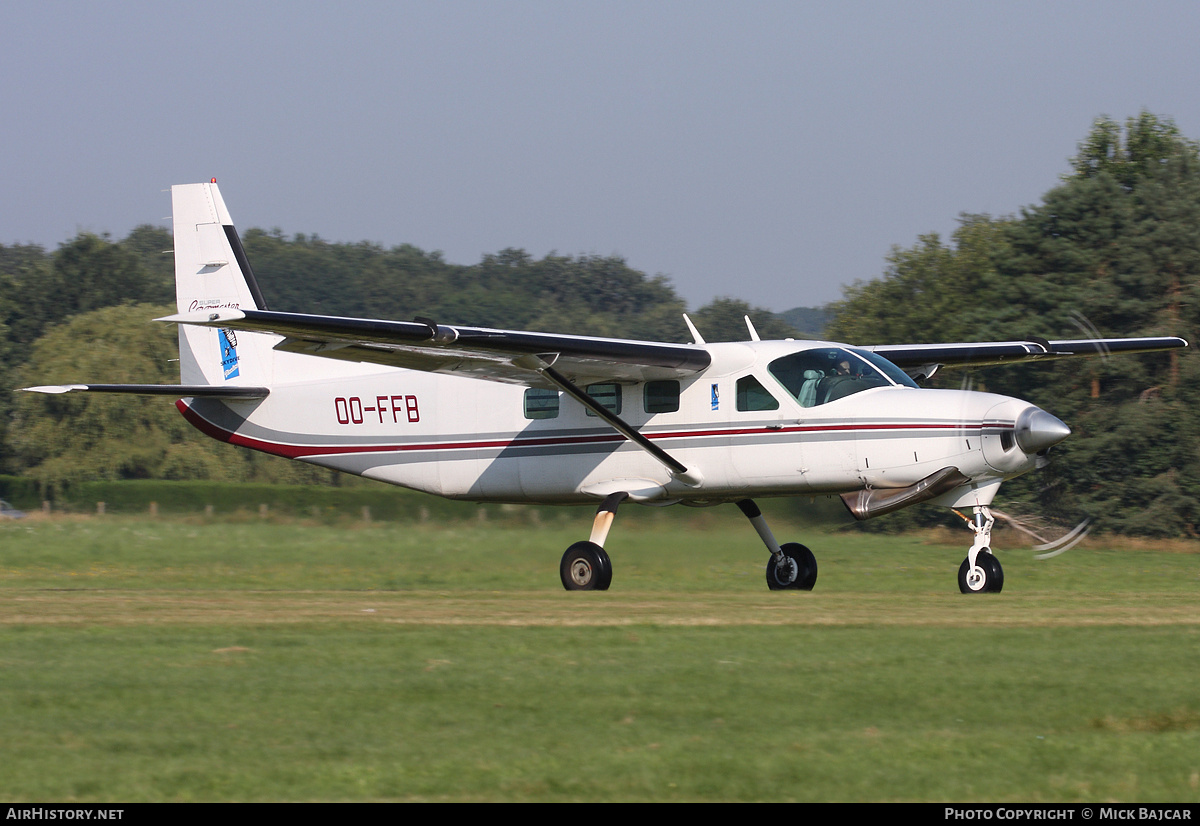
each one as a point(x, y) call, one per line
point(799, 571)
point(605, 570)
point(585, 567)
point(993, 575)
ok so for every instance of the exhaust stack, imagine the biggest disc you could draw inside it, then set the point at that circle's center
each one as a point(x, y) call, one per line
point(869, 502)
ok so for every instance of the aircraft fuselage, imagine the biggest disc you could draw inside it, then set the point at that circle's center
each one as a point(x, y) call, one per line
point(467, 439)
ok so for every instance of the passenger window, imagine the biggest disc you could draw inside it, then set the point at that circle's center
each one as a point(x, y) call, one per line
point(751, 395)
point(661, 396)
point(608, 395)
point(541, 404)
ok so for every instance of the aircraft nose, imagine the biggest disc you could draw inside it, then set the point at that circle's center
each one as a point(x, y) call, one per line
point(1037, 430)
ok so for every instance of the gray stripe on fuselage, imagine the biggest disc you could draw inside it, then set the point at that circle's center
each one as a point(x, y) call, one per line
point(523, 443)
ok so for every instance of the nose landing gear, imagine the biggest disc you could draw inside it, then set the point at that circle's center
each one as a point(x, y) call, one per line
point(980, 572)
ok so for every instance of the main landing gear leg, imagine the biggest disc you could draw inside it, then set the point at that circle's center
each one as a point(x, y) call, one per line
point(791, 565)
point(980, 572)
point(585, 566)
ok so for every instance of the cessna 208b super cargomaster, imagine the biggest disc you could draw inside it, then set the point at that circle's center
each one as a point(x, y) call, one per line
point(507, 416)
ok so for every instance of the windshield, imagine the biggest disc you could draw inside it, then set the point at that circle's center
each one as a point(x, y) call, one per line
point(823, 375)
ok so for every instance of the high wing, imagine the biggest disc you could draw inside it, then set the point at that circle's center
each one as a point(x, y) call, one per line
point(505, 355)
point(924, 359)
point(498, 355)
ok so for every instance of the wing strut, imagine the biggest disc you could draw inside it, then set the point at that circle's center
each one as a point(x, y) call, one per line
point(541, 364)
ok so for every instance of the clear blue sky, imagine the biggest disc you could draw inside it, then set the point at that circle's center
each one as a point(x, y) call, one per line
point(772, 151)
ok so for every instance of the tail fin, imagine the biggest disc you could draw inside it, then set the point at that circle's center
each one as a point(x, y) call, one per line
point(211, 272)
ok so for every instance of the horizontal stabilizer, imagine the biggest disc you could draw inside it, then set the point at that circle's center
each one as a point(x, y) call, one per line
point(178, 391)
point(869, 502)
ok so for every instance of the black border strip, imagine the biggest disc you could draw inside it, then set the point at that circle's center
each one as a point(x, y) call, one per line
point(239, 252)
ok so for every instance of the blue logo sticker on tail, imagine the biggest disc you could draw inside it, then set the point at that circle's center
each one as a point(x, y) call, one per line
point(229, 356)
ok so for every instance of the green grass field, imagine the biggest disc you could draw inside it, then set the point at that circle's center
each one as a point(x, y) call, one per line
point(180, 660)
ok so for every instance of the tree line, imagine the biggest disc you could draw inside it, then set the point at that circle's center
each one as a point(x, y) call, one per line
point(1112, 249)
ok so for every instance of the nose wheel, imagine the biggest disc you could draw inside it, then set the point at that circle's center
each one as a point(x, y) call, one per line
point(986, 577)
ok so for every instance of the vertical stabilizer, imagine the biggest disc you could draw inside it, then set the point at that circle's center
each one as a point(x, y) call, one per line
point(212, 273)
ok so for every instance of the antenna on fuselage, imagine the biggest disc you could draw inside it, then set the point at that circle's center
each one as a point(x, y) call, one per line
point(750, 327)
point(696, 337)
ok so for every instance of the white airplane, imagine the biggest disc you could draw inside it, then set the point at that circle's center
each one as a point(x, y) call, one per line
point(507, 416)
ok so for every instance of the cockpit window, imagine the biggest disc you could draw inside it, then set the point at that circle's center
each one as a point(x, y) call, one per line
point(823, 375)
point(890, 370)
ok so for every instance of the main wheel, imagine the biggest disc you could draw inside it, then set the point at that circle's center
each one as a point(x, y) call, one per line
point(798, 569)
point(585, 567)
point(988, 579)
